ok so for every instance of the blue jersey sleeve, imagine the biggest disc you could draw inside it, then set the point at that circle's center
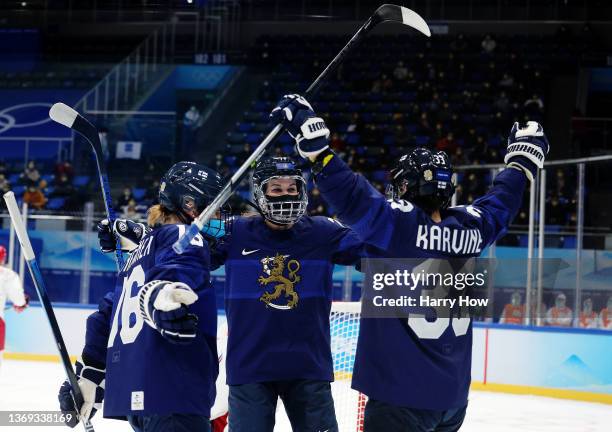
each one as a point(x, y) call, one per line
point(359, 205)
point(348, 247)
point(498, 207)
point(97, 332)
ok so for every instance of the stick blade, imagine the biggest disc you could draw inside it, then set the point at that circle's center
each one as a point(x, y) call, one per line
point(403, 15)
point(63, 114)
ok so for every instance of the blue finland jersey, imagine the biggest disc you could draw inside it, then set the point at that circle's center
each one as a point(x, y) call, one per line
point(145, 373)
point(278, 293)
point(396, 361)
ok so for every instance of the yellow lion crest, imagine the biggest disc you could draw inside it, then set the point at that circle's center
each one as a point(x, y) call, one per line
point(274, 269)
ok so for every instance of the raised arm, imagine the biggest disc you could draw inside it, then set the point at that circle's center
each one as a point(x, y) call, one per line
point(358, 204)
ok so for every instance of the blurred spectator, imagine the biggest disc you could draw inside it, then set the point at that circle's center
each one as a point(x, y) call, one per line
point(488, 44)
point(556, 213)
point(63, 186)
point(559, 315)
point(192, 118)
point(3, 167)
point(5, 186)
point(64, 168)
point(132, 211)
point(502, 103)
point(400, 73)
point(125, 198)
point(30, 176)
point(447, 144)
point(605, 316)
point(337, 143)
point(472, 185)
point(514, 312)
point(34, 197)
point(356, 124)
point(588, 317)
point(401, 135)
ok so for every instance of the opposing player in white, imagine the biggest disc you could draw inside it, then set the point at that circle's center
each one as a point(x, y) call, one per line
point(11, 288)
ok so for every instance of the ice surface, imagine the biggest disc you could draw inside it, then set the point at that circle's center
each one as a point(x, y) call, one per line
point(34, 385)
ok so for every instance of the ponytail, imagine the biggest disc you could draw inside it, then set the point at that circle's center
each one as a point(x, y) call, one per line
point(158, 215)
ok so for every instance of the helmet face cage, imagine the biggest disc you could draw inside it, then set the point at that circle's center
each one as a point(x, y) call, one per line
point(285, 209)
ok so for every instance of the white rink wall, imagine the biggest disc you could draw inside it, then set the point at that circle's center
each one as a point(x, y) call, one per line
point(566, 363)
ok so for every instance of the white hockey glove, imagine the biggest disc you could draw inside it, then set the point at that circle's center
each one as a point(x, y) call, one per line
point(309, 131)
point(91, 382)
point(128, 232)
point(527, 148)
point(163, 305)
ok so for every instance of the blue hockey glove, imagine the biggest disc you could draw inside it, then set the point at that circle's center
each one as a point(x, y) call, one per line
point(527, 148)
point(128, 232)
point(309, 131)
point(163, 305)
point(91, 383)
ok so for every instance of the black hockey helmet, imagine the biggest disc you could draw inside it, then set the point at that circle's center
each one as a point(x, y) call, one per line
point(424, 178)
point(188, 186)
point(285, 209)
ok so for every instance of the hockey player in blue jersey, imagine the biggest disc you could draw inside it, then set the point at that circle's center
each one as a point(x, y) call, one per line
point(278, 294)
point(150, 349)
point(416, 379)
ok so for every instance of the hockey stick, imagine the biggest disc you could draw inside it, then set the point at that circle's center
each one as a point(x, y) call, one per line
point(39, 284)
point(66, 116)
point(385, 13)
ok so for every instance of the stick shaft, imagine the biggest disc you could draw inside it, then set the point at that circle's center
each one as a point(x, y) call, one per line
point(39, 284)
point(90, 133)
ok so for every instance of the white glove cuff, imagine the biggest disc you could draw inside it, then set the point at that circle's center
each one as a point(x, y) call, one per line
point(520, 167)
point(144, 295)
point(312, 154)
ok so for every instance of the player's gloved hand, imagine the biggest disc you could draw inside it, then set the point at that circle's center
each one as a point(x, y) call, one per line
point(309, 131)
point(128, 232)
point(23, 307)
point(91, 383)
point(163, 306)
point(527, 148)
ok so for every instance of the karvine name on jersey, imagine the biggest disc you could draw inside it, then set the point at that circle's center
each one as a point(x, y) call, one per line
point(449, 240)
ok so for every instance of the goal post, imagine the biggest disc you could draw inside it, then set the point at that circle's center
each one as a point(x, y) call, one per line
point(344, 329)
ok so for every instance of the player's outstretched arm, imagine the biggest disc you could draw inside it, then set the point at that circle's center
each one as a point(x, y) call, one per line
point(527, 149)
point(356, 202)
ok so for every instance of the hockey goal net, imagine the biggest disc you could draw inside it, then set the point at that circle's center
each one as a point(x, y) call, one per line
point(344, 327)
